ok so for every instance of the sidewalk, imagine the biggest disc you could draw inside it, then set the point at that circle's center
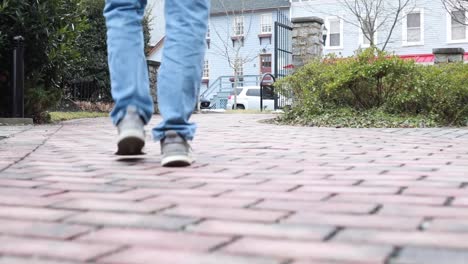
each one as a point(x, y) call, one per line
point(258, 194)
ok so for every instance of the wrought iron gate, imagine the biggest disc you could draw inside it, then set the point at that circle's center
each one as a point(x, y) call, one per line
point(283, 55)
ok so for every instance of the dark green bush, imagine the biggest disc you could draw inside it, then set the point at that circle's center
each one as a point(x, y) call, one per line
point(92, 47)
point(439, 91)
point(375, 80)
point(50, 29)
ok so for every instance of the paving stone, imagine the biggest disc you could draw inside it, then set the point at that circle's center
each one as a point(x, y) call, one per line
point(413, 255)
point(259, 193)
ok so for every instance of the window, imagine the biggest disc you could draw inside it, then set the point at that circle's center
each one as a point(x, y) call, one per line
point(238, 91)
point(457, 30)
point(208, 36)
point(266, 23)
point(206, 70)
point(413, 28)
point(253, 92)
point(266, 61)
point(335, 29)
point(238, 26)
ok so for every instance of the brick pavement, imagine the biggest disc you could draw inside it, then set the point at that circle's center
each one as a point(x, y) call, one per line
point(258, 194)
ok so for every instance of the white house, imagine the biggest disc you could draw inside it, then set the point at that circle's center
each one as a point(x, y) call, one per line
point(423, 26)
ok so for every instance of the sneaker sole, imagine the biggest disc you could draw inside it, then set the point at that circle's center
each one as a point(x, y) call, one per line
point(177, 161)
point(131, 143)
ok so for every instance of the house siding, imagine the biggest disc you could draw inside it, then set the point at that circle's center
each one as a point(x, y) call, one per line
point(218, 63)
point(435, 27)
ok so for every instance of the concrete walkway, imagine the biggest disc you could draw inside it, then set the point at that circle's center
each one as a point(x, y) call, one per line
point(258, 194)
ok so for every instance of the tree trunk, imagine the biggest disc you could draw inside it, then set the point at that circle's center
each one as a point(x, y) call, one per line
point(236, 76)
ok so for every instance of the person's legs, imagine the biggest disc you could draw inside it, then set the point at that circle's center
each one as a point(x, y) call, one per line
point(182, 66)
point(128, 71)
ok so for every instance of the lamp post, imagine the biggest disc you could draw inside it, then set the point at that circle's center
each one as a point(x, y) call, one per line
point(324, 35)
point(18, 78)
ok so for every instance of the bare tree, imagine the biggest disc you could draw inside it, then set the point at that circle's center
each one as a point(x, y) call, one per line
point(457, 9)
point(231, 38)
point(372, 16)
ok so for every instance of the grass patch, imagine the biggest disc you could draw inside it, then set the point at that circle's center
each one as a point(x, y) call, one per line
point(349, 118)
point(65, 116)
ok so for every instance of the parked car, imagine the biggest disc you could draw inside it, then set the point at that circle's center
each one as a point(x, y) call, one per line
point(248, 98)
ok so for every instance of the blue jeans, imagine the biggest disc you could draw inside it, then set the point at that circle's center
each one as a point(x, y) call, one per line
point(181, 67)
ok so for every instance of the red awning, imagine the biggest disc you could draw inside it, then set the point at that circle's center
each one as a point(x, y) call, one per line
point(424, 58)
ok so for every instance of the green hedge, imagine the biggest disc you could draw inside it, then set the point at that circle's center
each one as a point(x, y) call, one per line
point(65, 42)
point(51, 29)
point(375, 81)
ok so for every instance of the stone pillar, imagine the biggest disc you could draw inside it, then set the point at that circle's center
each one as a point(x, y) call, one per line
point(306, 40)
point(153, 68)
point(447, 55)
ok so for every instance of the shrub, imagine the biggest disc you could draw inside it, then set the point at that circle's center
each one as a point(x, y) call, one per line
point(50, 29)
point(92, 46)
point(375, 80)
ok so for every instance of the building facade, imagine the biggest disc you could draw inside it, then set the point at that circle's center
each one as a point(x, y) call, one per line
point(423, 26)
point(241, 36)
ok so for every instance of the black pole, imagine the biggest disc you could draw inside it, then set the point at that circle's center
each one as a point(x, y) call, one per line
point(276, 56)
point(18, 77)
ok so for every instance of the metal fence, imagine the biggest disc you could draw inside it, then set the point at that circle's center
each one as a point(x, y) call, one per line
point(87, 90)
point(283, 55)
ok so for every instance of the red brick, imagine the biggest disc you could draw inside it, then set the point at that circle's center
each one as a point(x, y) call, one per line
point(361, 221)
point(29, 201)
point(26, 260)
point(404, 238)
point(203, 201)
point(180, 192)
point(330, 207)
point(87, 187)
point(449, 225)
point(41, 229)
point(447, 178)
point(280, 231)
point(33, 213)
point(402, 183)
point(349, 189)
point(293, 196)
point(156, 239)
point(117, 206)
point(309, 250)
point(52, 248)
point(146, 256)
point(333, 262)
point(157, 184)
point(21, 183)
point(227, 213)
point(427, 191)
point(463, 202)
point(131, 220)
point(265, 187)
point(427, 211)
point(352, 175)
point(412, 255)
point(388, 199)
point(241, 181)
point(314, 182)
point(76, 179)
point(128, 196)
point(27, 192)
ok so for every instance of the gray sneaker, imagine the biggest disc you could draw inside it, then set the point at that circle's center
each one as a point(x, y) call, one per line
point(131, 133)
point(176, 151)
